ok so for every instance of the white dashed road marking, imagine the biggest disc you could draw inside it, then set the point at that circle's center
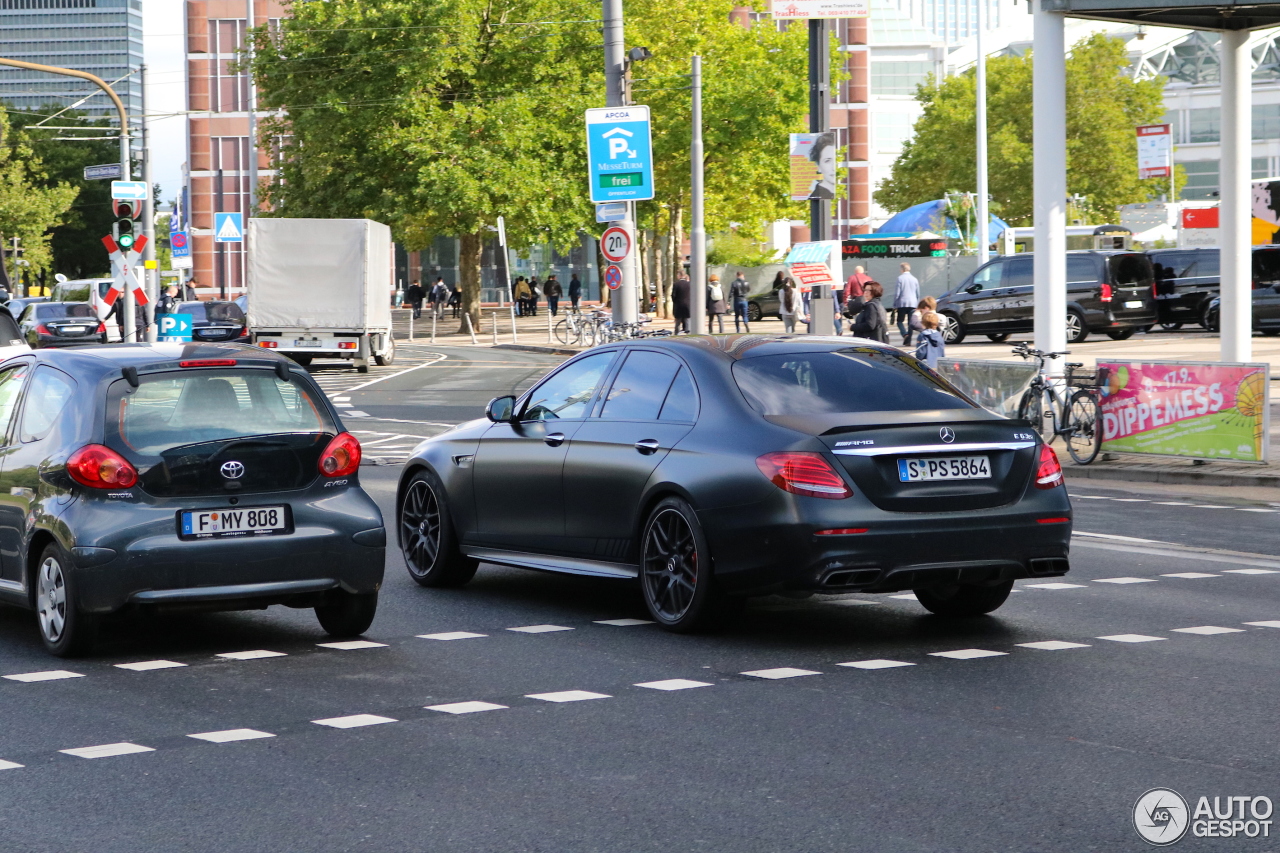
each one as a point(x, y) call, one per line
point(540, 629)
point(624, 623)
point(968, 654)
point(1209, 630)
point(354, 721)
point(1124, 580)
point(253, 655)
point(466, 707)
point(878, 663)
point(780, 672)
point(1190, 575)
point(1251, 571)
point(9, 765)
point(1270, 624)
point(452, 635)
point(1055, 585)
point(1053, 645)
point(107, 750)
point(675, 684)
point(148, 665)
point(568, 696)
point(232, 735)
point(853, 602)
point(352, 645)
point(910, 596)
point(1132, 638)
point(51, 675)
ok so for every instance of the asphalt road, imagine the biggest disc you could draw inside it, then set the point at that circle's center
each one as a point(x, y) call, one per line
point(1004, 747)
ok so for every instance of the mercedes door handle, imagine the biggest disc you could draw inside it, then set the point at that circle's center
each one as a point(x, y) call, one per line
point(554, 439)
point(647, 445)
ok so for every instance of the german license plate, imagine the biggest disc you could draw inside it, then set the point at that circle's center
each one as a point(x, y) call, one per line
point(74, 330)
point(1137, 304)
point(944, 468)
point(246, 521)
point(308, 343)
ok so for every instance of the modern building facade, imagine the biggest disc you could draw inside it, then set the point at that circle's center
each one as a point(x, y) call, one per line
point(218, 173)
point(102, 37)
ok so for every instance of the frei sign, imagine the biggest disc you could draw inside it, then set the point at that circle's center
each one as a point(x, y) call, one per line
point(620, 154)
point(1200, 410)
point(1155, 151)
point(793, 9)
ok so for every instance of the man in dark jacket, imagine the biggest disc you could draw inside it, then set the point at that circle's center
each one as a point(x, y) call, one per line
point(680, 303)
point(553, 291)
point(415, 295)
point(575, 291)
point(738, 294)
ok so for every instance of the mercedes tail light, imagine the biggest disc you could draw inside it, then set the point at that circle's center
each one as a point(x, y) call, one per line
point(803, 474)
point(341, 457)
point(1104, 292)
point(102, 327)
point(1049, 471)
point(42, 329)
point(101, 467)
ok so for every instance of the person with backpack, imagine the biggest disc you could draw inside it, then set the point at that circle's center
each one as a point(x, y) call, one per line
point(438, 297)
point(553, 291)
point(872, 321)
point(522, 297)
point(716, 308)
point(738, 294)
point(931, 346)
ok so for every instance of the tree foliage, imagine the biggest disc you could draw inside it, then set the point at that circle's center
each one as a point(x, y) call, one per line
point(1104, 105)
point(29, 208)
point(438, 117)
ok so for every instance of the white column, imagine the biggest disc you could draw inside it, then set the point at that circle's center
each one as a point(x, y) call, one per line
point(1049, 148)
point(980, 113)
point(1235, 219)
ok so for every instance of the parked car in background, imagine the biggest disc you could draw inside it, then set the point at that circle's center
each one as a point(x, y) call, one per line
point(91, 290)
point(215, 321)
point(15, 306)
point(766, 304)
point(61, 324)
point(1109, 292)
point(1188, 280)
point(1265, 310)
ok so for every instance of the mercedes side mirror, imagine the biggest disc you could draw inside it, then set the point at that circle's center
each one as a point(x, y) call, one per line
point(973, 288)
point(501, 410)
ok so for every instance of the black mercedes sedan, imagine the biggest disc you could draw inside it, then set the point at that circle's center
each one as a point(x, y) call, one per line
point(215, 320)
point(177, 477)
point(716, 468)
point(61, 324)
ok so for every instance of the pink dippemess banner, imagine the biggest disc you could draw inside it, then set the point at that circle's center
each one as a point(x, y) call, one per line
point(1206, 411)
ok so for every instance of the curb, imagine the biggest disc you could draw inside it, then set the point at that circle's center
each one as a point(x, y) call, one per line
point(1148, 475)
point(530, 348)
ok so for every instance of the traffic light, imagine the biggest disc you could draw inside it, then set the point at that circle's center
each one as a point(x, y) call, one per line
point(124, 230)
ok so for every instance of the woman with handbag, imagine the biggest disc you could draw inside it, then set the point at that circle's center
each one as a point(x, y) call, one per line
point(872, 321)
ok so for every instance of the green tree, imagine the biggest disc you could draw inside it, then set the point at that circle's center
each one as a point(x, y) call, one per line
point(29, 209)
point(1104, 105)
point(76, 244)
point(437, 117)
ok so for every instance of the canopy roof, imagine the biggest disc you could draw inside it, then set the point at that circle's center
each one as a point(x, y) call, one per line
point(933, 216)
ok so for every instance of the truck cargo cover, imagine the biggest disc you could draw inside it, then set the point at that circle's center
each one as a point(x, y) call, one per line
point(319, 274)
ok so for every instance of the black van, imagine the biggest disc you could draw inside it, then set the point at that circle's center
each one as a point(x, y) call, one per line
point(1187, 280)
point(1108, 292)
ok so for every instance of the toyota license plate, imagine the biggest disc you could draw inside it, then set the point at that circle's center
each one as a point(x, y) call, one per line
point(1136, 304)
point(944, 468)
point(246, 521)
point(308, 343)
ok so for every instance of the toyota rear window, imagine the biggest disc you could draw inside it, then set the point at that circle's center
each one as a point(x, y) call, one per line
point(172, 410)
point(857, 379)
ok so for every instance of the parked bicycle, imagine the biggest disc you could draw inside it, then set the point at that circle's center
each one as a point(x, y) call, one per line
point(1066, 406)
point(573, 329)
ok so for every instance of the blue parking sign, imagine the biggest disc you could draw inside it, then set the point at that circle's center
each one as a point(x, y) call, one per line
point(620, 154)
point(173, 328)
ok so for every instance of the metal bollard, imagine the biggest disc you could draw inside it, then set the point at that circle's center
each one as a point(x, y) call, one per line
point(549, 326)
point(433, 329)
point(411, 329)
point(466, 315)
point(514, 338)
point(493, 319)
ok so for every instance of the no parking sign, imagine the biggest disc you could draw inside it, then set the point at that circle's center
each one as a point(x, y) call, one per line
point(613, 277)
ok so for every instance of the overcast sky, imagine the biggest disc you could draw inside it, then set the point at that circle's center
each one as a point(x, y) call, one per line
point(166, 91)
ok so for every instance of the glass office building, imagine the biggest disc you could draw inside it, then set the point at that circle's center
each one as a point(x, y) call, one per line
point(103, 37)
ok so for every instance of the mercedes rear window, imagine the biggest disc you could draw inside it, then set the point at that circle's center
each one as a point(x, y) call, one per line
point(1266, 266)
point(857, 379)
point(213, 312)
point(1131, 269)
point(197, 406)
point(59, 310)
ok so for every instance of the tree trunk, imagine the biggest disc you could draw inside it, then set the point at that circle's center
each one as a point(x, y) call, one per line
point(675, 222)
point(644, 240)
point(469, 279)
point(660, 270)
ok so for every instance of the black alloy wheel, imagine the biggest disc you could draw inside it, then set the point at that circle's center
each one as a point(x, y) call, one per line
point(953, 331)
point(754, 314)
point(1000, 337)
point(963, 600)
point(675, 568)
point(1209, 318)
point(427, 536)
point(1171, 327)
point(1077, 330)
point(1121, 334)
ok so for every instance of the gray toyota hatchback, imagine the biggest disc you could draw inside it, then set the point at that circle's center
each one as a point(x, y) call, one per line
point(178, 477)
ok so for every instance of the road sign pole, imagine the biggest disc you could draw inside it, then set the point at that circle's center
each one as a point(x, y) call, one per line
point(151, 284)
point(821, 308)
point(697, 225)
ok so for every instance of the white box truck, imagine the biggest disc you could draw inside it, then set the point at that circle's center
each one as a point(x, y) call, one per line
point(321, 288)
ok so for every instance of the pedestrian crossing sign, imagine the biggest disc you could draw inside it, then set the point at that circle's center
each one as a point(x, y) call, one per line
point(228, 228)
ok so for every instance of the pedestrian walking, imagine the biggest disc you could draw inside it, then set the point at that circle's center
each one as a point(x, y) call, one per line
point(397, 298)
point(853, 291)
point(554, 291)
point(932, 346)
point(837, 308)
point(905, 299)
point(189, 291)
point(716, 307)
point(535, 291)
point(915, 324)
point(872, 321)
point(788, 306)
point(680, 303)
point(416, 295)
point(438, 297)
point(738, 294)
point(575, 291)
point(168, 303)
point(522, 297)
point(455, 300)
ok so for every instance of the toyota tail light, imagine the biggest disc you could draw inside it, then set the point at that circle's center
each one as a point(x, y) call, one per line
point(101, 467)
point(1049, 471)
point(803, 474)
point(1104, 292)
point(342, 457)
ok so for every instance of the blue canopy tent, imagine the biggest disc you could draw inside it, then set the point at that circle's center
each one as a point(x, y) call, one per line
point(933, 216)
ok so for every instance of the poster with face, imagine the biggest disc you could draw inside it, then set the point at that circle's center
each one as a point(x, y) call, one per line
point(813, 165)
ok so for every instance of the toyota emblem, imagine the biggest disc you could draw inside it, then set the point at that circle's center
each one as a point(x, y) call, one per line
point(947, 434)
point(235, 470)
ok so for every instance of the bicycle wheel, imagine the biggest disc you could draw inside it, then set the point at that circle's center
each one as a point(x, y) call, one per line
point(1083, 430)
point(1038, 411)
point(563, 332)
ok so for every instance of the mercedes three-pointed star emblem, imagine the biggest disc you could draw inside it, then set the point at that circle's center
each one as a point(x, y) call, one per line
point(947, 434)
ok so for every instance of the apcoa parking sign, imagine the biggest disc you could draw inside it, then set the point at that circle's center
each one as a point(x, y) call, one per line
point(619, 154)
